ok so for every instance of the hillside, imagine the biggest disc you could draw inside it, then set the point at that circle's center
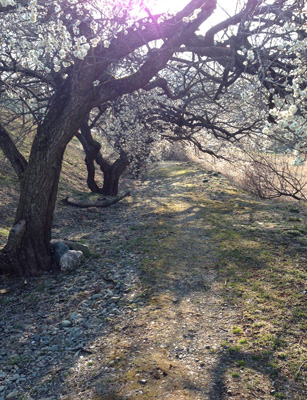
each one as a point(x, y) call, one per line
point(194, 290)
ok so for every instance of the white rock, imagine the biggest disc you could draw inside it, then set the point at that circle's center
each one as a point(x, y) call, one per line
point(12, 395)
point(71, 260)
point(66, 323)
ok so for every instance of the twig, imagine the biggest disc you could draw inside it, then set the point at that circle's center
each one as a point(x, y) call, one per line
point(299, 370)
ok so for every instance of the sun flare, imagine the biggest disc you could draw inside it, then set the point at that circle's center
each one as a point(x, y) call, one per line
point(224, 8)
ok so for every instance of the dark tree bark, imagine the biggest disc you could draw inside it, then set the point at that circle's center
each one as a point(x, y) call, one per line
point(98, 204)
point(27, 251)
point(91, 148)
point(9, 149)
point(112, 173)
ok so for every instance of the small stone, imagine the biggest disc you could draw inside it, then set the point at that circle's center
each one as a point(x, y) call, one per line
point(115, 299)
point(15, 377)
point(74, 316)
point(142, 381)
point(78, 246)
point(2, 388)
point(97, 296)
point(54, 348)
point(66, 323)
point(12, 396)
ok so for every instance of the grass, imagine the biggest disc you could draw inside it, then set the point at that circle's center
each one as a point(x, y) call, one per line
point(261, 271)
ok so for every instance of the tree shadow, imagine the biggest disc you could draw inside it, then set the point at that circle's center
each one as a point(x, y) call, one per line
point(173, 254)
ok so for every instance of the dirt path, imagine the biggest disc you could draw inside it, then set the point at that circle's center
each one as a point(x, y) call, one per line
point(178, 300)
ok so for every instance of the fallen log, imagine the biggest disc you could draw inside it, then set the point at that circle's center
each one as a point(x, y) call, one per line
point(97, 204)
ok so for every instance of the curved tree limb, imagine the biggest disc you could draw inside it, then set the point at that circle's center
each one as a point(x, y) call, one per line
point(17, 160)
point(98, 204)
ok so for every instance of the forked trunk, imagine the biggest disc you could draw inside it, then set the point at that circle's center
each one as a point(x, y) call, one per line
point(112, 174)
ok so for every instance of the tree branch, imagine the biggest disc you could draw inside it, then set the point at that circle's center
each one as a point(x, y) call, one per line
point(11, 152)
point(104, 204)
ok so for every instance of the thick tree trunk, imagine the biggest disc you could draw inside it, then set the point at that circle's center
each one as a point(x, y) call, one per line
point(27, 252)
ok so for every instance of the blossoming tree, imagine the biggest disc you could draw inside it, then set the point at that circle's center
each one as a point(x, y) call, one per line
point(84, 53)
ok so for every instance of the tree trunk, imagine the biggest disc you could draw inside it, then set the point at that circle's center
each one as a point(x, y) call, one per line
point(112, 173)
point(27, 252)
point(91, 149)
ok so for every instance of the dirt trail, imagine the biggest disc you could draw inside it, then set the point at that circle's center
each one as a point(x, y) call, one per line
point(179, 339)
point(170, 347)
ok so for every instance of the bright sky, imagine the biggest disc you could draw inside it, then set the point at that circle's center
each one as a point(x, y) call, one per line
point(222, 11)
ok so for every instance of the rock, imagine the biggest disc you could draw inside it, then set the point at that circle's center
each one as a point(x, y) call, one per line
point(97, 296)
point(15, 377)
point(74, 316)
point(58, 250)
point(115, 299)
point(78, 246)
point(12, 395)
point(143, 381)
point(66, 323)
point(70, 245)
point(54, 348)
point(71, 260)
point(2, 388)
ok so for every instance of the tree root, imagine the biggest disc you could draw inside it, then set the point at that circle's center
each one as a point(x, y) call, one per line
point(97, 204)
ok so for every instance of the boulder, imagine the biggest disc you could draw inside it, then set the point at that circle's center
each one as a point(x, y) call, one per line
point(77, 246)
point(71, 260)
point(58, 250)
point(57, 246)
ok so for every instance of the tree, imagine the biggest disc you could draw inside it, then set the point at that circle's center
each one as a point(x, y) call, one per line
point(85, 54)
point(125, 128)
point(66, 58)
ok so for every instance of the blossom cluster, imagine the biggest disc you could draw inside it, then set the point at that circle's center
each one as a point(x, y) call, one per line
point(125, 126)
point(54, 41)
point(289, 93)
